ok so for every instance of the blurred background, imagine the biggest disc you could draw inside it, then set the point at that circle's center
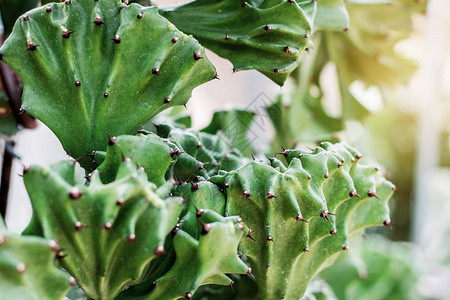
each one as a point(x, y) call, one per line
point(396, 110)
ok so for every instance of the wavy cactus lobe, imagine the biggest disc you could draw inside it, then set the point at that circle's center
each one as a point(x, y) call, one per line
point(268, 36)
point(106, 233)
point(304, 213)
point(106, 67)
point(28, 270)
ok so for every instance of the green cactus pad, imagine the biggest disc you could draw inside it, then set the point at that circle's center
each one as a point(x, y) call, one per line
point(147, 151)
point(28, 270)
point(200, 153)
point(268, 36)
point(199, 261)
point(102, 68)
point(106, 233)
point(291, 212)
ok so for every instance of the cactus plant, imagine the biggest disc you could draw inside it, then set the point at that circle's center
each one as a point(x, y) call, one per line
point(132, 47)
point(106, 233)
point(290, 210)
point(28, 270)
point(376, 269)
point(146, 151)
point(200, 153)
point(268, 36)
point(163, 214)
point(199, 261)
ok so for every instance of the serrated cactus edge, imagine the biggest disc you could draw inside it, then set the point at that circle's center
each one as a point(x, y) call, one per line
point(301, 215)
point(97, 68)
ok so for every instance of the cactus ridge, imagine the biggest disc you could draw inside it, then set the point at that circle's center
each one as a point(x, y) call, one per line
point(28, 270)
point(202, 260)
point(99, 61)
point(106, 233)
point(312, 207)
point(200, 153)
point(268, 36)
point(148, 151)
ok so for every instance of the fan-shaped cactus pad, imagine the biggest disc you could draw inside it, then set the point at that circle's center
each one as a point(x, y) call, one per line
point(303, 214)
point(93, 68)
point(266, 35)
point(106, 233)
point(201, 260)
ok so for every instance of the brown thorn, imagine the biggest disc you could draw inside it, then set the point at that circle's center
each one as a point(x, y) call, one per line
point(155, 71)
point(249, 235)
point(131, 237)
point(75, 193)
point(300, 218)
point(206, 228)
point(231, 286)
point(98, 21)
point(270, 239)
point(116, 39)
point(159, 250)
point(249, 272)
point(197, 55)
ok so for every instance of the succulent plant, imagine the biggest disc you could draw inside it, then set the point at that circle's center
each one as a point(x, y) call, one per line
point(302, 214)
point(319, 290)
point(200, 153)
point(199, 260)
point(28, 269)
point(163, 214)
point(376, 269)
point(265, 35)
point(147, 151)
point(105, 66)
point(105, 234)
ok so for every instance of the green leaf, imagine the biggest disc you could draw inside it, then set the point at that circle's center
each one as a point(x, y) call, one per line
point(89, 85)
point(268, 36)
